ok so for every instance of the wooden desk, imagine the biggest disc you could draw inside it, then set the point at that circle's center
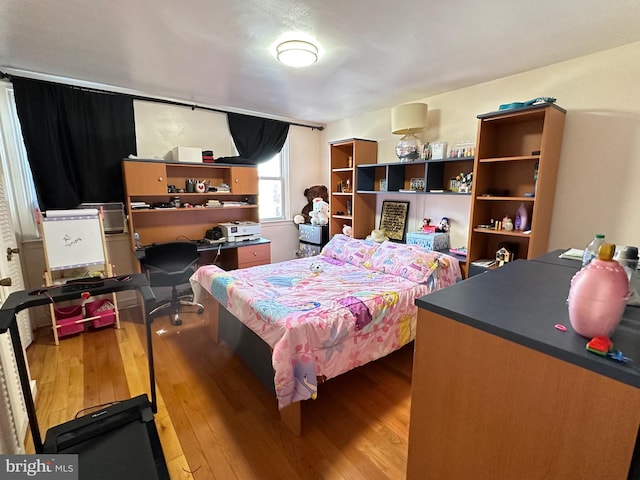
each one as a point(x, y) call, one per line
point(499, 393)
point(230, 255)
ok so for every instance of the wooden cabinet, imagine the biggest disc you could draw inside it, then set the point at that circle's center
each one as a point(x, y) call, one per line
point(254, 255)
point(345, 205)
point(431, 176)
point(244, 180)
point(145, 178)
point(513, 149)
point(240, 255)
point(149, 182)
point(498, 393)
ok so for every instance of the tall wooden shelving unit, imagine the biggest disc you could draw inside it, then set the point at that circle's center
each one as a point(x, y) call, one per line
point(347, 208)
point(511, 144)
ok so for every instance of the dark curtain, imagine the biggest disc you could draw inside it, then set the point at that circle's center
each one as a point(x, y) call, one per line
point(75, 141)
point(257, 139)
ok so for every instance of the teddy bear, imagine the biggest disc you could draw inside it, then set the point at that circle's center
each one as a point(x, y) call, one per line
point(320, 212)
point(310, 193)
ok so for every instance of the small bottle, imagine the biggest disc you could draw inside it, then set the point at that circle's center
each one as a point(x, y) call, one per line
point(521, 218)
point(591, 250)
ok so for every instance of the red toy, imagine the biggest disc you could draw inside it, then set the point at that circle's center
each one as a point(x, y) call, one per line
point(600, 345)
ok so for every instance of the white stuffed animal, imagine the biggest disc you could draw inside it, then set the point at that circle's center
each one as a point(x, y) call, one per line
point(320, 213)
point(316, 267)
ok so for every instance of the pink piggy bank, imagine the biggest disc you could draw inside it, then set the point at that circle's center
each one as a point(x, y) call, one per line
point(598, 295)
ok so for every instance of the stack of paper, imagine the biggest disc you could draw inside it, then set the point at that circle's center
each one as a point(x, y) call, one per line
point(137, 205)
point(572, 254)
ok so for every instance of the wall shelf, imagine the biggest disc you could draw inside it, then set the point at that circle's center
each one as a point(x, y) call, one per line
point(433, 175)
point(149, 181)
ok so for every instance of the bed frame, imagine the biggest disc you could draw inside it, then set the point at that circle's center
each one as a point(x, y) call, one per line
point(253, 352)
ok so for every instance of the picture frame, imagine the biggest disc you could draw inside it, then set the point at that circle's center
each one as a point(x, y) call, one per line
point(393, 219)
point(438, 150)
point(417, 184)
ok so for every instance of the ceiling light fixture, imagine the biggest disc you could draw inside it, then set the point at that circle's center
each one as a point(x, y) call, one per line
point(297, 53)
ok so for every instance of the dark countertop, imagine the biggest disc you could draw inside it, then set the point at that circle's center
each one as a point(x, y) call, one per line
point(522, 301)
point(554, 258)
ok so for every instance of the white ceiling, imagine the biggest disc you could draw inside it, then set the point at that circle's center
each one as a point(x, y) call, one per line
point(374, 54)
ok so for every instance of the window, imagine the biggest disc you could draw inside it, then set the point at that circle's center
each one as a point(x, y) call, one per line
point(271, 175)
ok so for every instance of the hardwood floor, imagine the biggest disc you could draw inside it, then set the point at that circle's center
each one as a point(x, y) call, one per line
point(215, 419)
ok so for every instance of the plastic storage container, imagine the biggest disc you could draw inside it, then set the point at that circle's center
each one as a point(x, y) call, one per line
point(598, 295)
point(104, 310)
point(591, 250)
point(69, 320)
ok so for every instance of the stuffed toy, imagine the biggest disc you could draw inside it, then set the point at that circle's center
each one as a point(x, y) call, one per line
point(311, 193)
point(347, 230)
point(320, 212)
point(316, 267)
point(444, 225)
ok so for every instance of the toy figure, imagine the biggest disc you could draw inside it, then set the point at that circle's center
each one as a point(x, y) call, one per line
point(444, 225)
point(320, 212)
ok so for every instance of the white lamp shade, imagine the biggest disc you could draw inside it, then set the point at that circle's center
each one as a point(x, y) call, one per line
point(409, 117)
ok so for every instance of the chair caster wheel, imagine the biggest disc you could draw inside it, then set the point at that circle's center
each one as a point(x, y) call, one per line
point(176, 321)
point(200, 311)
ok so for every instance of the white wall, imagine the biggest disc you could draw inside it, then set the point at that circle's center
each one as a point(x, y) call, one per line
point(160, 127)
point(597, 188)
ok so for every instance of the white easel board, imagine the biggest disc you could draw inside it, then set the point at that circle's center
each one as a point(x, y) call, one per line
point(73, 238)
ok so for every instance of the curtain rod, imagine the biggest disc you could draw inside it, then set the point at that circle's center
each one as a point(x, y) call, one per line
point(193, 106)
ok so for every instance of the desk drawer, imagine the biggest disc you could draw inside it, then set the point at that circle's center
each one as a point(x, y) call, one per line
point(252, 255)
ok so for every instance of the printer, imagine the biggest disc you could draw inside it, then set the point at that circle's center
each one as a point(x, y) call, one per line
point(240, 231)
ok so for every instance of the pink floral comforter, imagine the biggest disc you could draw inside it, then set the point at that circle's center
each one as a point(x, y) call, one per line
point(321, 316)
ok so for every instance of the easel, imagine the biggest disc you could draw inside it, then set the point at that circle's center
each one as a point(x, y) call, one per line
point(73, 241)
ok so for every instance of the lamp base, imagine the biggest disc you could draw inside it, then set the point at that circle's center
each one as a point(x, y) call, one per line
point(409, 148)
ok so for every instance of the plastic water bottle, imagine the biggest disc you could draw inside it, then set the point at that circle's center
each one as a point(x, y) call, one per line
point(591, 250)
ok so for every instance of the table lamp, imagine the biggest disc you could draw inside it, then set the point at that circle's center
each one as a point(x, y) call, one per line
point(408, 119)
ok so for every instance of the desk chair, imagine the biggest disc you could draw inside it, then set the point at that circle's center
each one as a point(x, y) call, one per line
point(170, 265)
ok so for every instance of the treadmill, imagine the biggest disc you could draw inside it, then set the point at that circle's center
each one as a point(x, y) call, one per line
point(119, 441)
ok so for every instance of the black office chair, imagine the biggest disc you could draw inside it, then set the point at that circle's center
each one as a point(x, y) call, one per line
point(170, 265)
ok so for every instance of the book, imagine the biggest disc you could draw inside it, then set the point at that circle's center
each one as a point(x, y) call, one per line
point(459, 251)
point(573, 254)
point(485, 262)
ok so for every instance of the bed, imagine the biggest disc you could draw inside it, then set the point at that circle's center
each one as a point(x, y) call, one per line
point(322, 316)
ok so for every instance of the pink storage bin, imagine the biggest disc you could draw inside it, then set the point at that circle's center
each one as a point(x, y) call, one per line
point(104, 310)
point(69, 326)
point(66, 318)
